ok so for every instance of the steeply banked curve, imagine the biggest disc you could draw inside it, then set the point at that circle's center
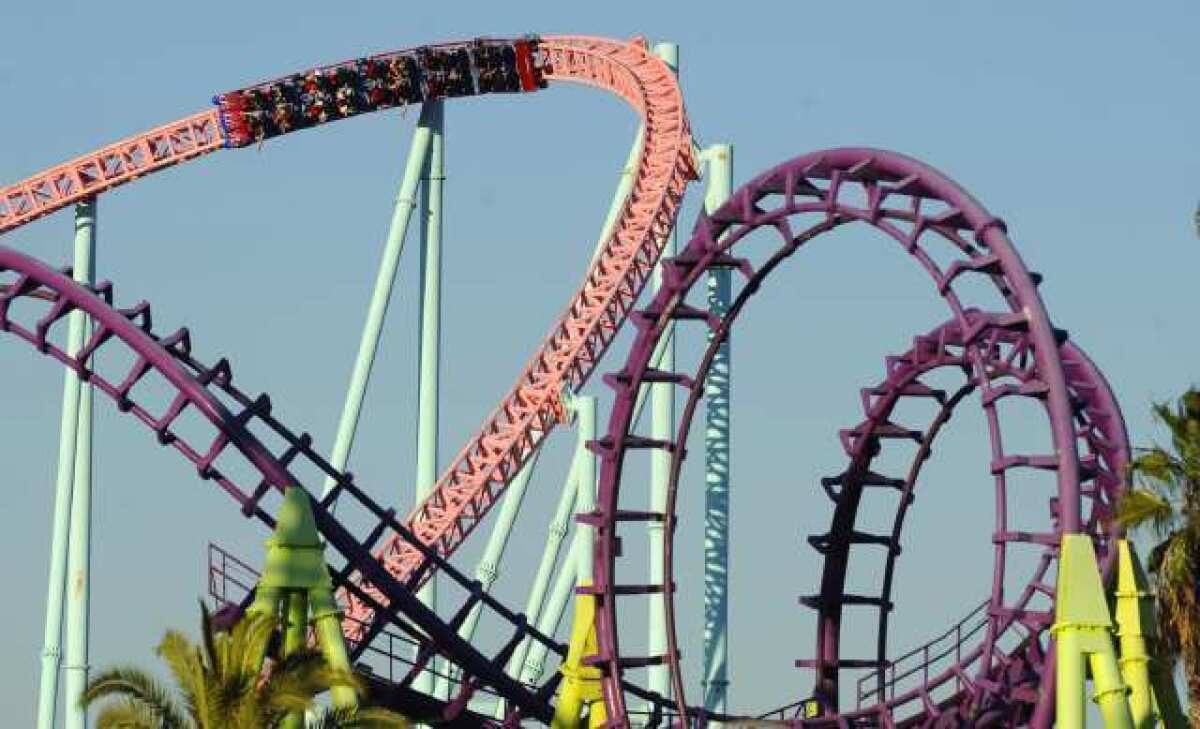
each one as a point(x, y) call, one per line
point(480, 472)
point(483, 468)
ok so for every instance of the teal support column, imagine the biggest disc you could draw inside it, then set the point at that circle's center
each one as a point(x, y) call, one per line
point(429, 346)
point(557, 531)
point(534, 664)
point(662, 425)
point(624, 186)
point(384, 280)
point(64, 518)
point(488, 568)
point(715, 679)
point(579, 492)
point(79, 543)
point(585, 497)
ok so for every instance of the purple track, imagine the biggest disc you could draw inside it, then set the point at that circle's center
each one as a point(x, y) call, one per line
point(1004, 678)
point(1011, 353)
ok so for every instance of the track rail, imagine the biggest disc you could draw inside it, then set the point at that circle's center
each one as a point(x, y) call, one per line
point(953, 239)
point(518, 425)
point(35, 301)
point(999, 366)
point(480, 472)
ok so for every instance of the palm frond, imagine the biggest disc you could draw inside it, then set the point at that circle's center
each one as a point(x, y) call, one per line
point(134, 684)
point(187, 666)
point(359, 718)
point(208, 635)
point(298, 679)
point(127, 714)
point(1143, 507)
point(245, 646)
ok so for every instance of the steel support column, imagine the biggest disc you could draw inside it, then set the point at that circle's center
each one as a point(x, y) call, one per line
point(715, 681)
point(488, 568)
point(577, 565)
point(71, 521)
point(377, 309)
point(662, 426)
point(429, 346)
point(79, 544)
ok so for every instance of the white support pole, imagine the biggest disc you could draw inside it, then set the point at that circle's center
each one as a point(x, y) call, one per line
point(577, 566)
point(67, 518)
point(715, 681)
point(662, 413)
point(488, 568)
point(430, 340)
point(384, 280)
point(79, 549)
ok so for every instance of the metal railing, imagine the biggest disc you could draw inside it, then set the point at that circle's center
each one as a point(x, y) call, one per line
point(230, 580)
point(929, 659)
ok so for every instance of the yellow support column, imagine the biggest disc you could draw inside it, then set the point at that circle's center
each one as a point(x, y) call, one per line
point(1083, 632)
point(1134, 625)
point(1150, 701)
point(581, 684)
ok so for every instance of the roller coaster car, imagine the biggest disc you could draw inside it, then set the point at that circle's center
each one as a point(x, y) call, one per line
point(369, 84)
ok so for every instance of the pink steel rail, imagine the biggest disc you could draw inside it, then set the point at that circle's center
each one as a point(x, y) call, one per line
point(108, 167)
point(518, 425)
point(481, 471)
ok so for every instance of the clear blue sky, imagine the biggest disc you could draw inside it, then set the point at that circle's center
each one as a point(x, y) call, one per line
point(1074, 121)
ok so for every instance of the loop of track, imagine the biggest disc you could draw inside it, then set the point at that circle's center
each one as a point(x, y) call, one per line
point(1007, 373)
point(918, 208)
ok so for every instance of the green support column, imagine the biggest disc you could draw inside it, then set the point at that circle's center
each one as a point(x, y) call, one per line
point(384, 280)
point(429, 345)
point(1083, 633)
point(295, 635)
point(662, 414)
point(585, 497)
point(295, 587)
point(715, 680)
point(67, 518)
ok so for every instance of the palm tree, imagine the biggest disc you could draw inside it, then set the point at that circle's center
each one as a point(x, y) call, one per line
point(229, 681)
point(1167, 500)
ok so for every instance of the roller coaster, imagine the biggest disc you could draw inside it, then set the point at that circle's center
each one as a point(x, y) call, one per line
point(1016, 660)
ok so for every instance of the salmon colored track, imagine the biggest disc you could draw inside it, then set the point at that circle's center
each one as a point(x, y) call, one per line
point(108, 167)
point(482, 469)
